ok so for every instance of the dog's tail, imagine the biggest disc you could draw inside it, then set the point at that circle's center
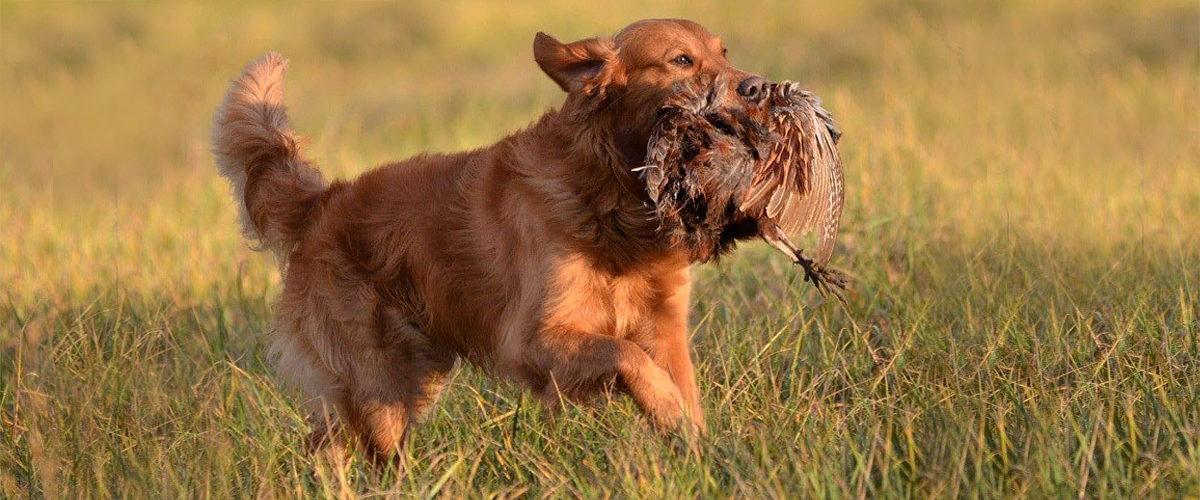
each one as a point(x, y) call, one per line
point(258, 153)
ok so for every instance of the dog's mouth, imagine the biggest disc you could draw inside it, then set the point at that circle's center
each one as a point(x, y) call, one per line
point(742, 122)
point(721, 123)
point(715, 114)
point(747, 126)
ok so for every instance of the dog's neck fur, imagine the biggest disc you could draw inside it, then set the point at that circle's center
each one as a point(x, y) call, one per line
point(608, 214)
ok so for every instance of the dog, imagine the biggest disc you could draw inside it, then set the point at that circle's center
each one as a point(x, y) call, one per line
point(537, 258)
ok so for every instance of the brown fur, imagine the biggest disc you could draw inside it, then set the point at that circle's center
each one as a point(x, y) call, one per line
point(535, 258)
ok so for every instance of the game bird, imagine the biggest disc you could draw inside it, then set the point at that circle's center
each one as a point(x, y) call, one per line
point(716, 177)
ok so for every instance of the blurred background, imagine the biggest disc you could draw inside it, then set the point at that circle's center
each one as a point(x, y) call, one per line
point(1022, 220)
point(1064, 122)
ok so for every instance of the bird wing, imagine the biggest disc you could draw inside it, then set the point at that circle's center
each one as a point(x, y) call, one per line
point(662, 152)
point(798, 184)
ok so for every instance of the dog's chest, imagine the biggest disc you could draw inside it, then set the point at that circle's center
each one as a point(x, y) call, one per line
point(584, 299)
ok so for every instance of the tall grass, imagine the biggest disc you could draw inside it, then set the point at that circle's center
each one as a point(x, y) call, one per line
point(1023, 222)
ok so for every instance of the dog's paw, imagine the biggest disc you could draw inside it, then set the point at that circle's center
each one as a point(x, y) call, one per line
point(661, 400)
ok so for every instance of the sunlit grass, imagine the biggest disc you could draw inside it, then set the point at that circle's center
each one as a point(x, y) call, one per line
point(1023, 222)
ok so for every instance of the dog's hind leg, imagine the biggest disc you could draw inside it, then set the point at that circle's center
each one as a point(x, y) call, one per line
point(300, 366)
point(394, 382)
point(372, 380)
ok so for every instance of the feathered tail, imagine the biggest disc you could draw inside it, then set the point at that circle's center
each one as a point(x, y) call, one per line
point(257, 151)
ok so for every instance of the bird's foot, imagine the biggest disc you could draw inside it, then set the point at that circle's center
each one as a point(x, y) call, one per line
point(828, 280)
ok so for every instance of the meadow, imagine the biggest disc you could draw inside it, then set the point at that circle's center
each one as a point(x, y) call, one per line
point(1022, 223)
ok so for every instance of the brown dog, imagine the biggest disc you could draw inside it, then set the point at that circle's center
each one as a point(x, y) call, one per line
point(536, 258)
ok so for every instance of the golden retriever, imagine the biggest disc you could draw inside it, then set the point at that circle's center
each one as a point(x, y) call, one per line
point(536, 258)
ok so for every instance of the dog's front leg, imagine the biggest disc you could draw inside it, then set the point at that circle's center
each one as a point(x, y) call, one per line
point(668, 345)
point(674, 357)
point(578, 362)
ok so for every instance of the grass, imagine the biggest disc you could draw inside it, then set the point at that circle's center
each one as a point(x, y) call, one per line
point(1023, 221)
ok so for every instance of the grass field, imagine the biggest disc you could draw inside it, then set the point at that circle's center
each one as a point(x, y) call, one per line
point(1022, 219)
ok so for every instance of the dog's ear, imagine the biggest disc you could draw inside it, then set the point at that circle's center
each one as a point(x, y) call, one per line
point(588, 65)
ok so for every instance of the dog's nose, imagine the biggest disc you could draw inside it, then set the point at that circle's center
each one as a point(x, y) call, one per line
point(752, 88)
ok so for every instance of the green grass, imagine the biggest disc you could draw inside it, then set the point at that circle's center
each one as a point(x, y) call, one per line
point(1022, 219)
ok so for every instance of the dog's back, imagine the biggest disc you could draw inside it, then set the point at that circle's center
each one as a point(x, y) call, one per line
point(411, 235)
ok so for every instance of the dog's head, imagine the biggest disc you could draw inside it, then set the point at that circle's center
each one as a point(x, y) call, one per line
point(620, 83)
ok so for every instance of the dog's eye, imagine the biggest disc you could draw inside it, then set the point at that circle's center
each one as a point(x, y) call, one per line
point(682, 60)
point(724, 52)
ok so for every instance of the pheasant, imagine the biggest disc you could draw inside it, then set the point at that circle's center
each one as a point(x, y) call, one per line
point(716, 176)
